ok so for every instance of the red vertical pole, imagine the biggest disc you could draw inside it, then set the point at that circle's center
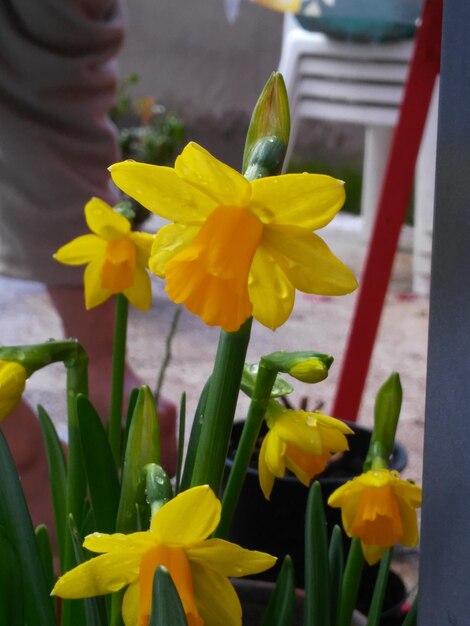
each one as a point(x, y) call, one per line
point(391, 211)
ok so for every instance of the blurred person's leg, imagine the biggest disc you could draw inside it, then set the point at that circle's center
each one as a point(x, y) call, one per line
point(58, 79)
point(94, 329)
point(23, 435)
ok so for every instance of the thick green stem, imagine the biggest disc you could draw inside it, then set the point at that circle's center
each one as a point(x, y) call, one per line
point(117, 382)
point(261, 395)
point(220, 407)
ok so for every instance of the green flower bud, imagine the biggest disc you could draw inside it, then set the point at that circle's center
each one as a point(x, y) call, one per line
point(269, 128)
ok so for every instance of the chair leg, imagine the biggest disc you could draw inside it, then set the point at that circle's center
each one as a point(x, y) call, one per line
point(376, 149)
point(424, 202)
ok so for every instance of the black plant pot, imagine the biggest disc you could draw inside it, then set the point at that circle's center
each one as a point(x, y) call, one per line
point(277, 526)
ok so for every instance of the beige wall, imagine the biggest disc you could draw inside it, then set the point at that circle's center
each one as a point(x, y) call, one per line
point(191, 58)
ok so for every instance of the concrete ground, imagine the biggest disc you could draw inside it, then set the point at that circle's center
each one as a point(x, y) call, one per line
point(317, 323)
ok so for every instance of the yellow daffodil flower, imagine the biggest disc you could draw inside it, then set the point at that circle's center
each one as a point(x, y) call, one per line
point(116, 257)
point(378, 507)
point(177, 540)
point(238, 248)
point(12, 383)
point(299, 441)
point(289, 6)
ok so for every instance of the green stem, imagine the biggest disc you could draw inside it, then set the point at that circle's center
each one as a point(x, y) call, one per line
point(351, 580)
point(117, 382)
point(261, 394)
point(220, 408)
point(77, 383)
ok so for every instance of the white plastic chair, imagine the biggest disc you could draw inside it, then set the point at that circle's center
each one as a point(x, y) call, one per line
point(351, 82)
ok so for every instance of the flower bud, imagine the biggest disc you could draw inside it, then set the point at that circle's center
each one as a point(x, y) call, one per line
point(12, 384)
point(309, 371)
point(268, 133)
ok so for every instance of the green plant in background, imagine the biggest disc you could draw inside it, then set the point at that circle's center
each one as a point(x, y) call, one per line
point(148, 133)
point(163, 557)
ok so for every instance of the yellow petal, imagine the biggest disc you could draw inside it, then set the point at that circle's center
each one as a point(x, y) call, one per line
point(81, 250)
point(266, 477)
point(105, 222)
point(103, 574)
point(275, 449)
point(229, 559)
point(292, 427)
point(130, 605)
point(118, 542)
point(95, 293)
point(410, 524)
point(224, 185)
point(198, 507)
point(307, 261)
point(139, 293)
point(408, 491)
point(143, 243)
point(216, 599)
point(271, 293)
point(306, 200)
point(169, 241)
point(162, 191)
point(372, 554)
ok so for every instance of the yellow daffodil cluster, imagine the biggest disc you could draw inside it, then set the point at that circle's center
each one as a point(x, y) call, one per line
point(12, 383)
point(177, 539)
point(116, 258)
point(299, 441)
point(379, 508)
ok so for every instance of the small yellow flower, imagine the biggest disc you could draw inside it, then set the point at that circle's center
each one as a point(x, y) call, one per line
point(116, 257)
point(238, 248)
point(12, 383)
point(378, 507)
point(199, 567)
point(299, 441)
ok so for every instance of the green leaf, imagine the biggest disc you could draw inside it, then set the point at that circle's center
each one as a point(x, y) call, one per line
point(351, 579)
point(280, 609)
point(336, 567)
point(194, 438)
point(57, 477)
point(375, 609)
point(181, 431)
point(100, 467)
point(166, 604)
point(95, 608)
point(11, 584)
point(250, 371)
point(17, 528)
point(43, 542)
point(317, 603)
point(143, 447)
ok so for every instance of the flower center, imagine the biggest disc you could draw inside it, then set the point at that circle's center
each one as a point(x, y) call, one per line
point(378, 520)
point(176, 562)
point(118, 269)
point(210, 276)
